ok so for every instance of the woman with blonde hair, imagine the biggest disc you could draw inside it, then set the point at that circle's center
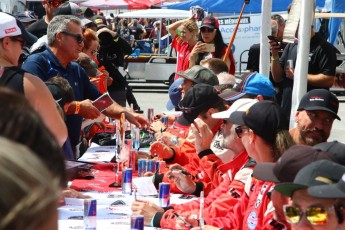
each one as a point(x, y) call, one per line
point(29, 193)
point(185, 34)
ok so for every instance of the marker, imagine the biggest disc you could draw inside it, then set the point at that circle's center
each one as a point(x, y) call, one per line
point(183, 220)
point(181, 171)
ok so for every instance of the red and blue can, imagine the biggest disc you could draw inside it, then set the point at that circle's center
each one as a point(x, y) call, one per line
point(164, 194)
point(151, 166)
point(137, 222)
point(127, 181)
point(141, 167)
point(90, 214)
point(165, 121)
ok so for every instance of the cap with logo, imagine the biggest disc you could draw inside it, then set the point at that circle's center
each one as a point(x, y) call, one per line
point(288, 165)
point(265, 118)
point(100, 21)
point(320, 99)
point(10, 26)
point(210, 22)
point(252, 83)
point(89, 65)
point(329, 191)
point(200, 74)
point(175, 94)
point(321, 172)
point(26, 16)
point(335, 149)
point(198, 98)
point(242, 104)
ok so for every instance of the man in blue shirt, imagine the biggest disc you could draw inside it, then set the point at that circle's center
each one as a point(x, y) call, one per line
point(65, 41)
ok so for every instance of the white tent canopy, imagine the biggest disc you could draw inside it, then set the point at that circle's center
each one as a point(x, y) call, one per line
point(156, 13)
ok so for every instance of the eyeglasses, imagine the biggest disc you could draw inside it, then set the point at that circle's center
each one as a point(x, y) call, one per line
point(205, 29)
point(21, 41)
point(94, 52)
point(315, 215)
point(79, 38)
point(55, 3)
point(239, 130)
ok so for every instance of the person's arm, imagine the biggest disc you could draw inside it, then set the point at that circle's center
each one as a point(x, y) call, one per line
point(321, 80)
point(172, 29)
point(43, 102)
point(276, 68)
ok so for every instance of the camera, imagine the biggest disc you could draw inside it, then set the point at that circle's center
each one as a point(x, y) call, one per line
point(198, 12)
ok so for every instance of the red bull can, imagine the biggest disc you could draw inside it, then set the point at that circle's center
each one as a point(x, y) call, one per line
point(90, 214)
point(151, 166)
point(165, 121)
point(141, 167)
point(127, 181)
point(164, 194)
point(137, 222)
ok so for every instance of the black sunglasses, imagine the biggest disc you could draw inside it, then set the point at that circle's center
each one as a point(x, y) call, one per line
point(79, 38)
point(239, 130)
point(20, 40)
point(206, 29)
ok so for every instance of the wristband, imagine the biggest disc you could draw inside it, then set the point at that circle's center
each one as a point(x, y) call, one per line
point(77, 107)
point(275, 59)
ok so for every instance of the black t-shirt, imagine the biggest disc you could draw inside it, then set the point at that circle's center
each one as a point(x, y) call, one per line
point(38, 28)
point(322, 59)
point(253, 62)
point(137, 31)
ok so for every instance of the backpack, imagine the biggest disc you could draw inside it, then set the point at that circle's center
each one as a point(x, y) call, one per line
point(13, 78)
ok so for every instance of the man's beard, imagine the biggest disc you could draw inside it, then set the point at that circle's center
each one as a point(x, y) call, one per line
point(312, 136)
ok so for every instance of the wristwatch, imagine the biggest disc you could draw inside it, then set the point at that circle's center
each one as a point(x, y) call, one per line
point(174, 140)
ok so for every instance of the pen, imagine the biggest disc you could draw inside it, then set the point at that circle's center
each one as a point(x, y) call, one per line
point(183, 220)
point(182, 171)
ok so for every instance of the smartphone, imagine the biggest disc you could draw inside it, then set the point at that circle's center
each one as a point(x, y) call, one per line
point(272, 38)
point(210, 48)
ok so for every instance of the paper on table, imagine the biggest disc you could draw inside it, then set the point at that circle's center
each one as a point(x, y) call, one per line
point(144, 186)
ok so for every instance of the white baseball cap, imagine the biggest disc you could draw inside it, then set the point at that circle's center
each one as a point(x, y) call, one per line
point(242, 104)
point(10, 26)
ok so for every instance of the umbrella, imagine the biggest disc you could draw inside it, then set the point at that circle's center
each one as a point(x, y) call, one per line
point(113, 4)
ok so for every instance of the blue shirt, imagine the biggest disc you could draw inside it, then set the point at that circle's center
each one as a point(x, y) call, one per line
point(45, 65)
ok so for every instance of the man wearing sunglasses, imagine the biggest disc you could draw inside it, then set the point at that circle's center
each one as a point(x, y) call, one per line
point(39, 28)
point(65, 42)
point(311, 212)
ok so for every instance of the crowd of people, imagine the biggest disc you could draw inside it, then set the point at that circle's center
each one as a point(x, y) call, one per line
point(228, 140)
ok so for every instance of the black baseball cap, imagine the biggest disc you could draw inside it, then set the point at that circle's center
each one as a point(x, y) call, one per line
point(329, 191)
point(335, 149)
point(322, 172)
point(69, 8)
point(288, 165)
point(199, 74)
point(198, 98)
point(265, 118)
point(320, 99)
point(210, 22)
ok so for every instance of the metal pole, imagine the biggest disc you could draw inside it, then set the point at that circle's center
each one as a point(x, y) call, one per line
point(266, 9)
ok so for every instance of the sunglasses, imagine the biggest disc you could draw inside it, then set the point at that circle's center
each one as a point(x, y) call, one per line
point(21, 41)
point(239, 130)
point(55, 3)
point(79, 38)
point(205, 29)
point(315, 215)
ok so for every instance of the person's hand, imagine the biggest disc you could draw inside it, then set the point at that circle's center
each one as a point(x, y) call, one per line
point(289, 73)
point(109, 80)
point(95, 81)
point(158, 116)
point(203, 135)
point(206, 227)
point(198, 48)
point(182, 225)
point(157, 126)
point(162, 150)
point(137, 119)
point(275, 48)
point(88, 110)
point(71, 193)
point(100, 125)
point(183, 182)
point(176, 167)
point(146, 209)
